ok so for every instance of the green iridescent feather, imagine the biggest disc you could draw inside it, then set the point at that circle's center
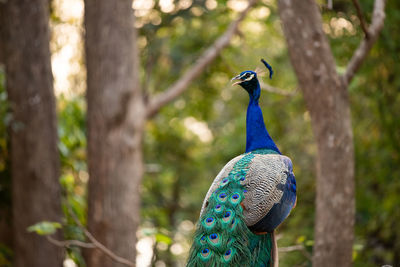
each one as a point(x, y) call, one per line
point(222, 237)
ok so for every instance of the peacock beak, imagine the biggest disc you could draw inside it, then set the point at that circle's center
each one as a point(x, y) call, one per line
point(237, 78)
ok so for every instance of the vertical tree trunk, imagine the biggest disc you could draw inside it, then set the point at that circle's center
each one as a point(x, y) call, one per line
point(327, 100)
point(34, 155)
point(116, 117)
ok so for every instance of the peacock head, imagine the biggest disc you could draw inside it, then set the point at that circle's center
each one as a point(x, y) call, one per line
point(248, 80)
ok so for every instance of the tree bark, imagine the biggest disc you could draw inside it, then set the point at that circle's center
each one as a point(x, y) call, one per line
point(116, 116)
point(327, 100)
point(34, 155)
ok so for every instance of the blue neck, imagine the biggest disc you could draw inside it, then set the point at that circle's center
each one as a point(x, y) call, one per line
point(256, 133)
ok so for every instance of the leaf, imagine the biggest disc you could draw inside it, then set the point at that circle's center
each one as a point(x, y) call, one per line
point(67, 182)
point(301, 239)
point(161, 238)
point(309, 243)
point(44, 228)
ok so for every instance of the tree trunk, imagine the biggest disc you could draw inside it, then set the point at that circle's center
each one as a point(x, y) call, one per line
point(116, 118)
point(327, 100)
point(34, 155)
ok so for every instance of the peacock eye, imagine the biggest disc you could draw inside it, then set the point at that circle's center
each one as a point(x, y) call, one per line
point(228, 255)
point(209, 223)
point(205, 254)
point(224, 181)
point(228, 252)
point(218, 208)
point(222, 197)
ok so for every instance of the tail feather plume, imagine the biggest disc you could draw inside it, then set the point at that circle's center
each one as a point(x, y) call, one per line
point(222, 237)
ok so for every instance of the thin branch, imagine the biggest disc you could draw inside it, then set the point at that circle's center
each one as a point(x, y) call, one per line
point(276, 90)
point(300, 248)
point(291, 248)
point(106, 250)
point(69, 243)
point(374, 29)
point(177, 88)
point(97, 244)
point(361, 18)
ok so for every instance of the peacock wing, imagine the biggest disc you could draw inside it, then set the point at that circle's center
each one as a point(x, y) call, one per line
point(271, 192)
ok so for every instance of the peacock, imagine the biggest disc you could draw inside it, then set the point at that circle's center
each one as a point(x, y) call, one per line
point(249, 198)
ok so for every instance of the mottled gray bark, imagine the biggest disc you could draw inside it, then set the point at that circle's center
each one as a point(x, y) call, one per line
point(115, 126)
point(327, 100)
point(34, 155)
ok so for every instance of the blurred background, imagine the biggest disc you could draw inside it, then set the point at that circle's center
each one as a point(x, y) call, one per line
point(191, 139)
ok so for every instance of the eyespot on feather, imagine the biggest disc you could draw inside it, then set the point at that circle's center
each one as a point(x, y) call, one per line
point(205, 254)
point(209, 222)
point(224, 182)
point(214, 239)
point(227, 217)
point(235, 198)
point(218, 208)
point(222, 196)
point(227, 257)
point(233, 225)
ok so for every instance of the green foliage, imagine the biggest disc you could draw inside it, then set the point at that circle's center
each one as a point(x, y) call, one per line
point(162, 238)
point(44, 228)
point(72, 147)
point(72, 133)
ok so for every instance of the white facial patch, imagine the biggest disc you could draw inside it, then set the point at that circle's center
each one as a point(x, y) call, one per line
point(250, 77)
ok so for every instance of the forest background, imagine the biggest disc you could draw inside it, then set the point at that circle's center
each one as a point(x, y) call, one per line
point(189, 140)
